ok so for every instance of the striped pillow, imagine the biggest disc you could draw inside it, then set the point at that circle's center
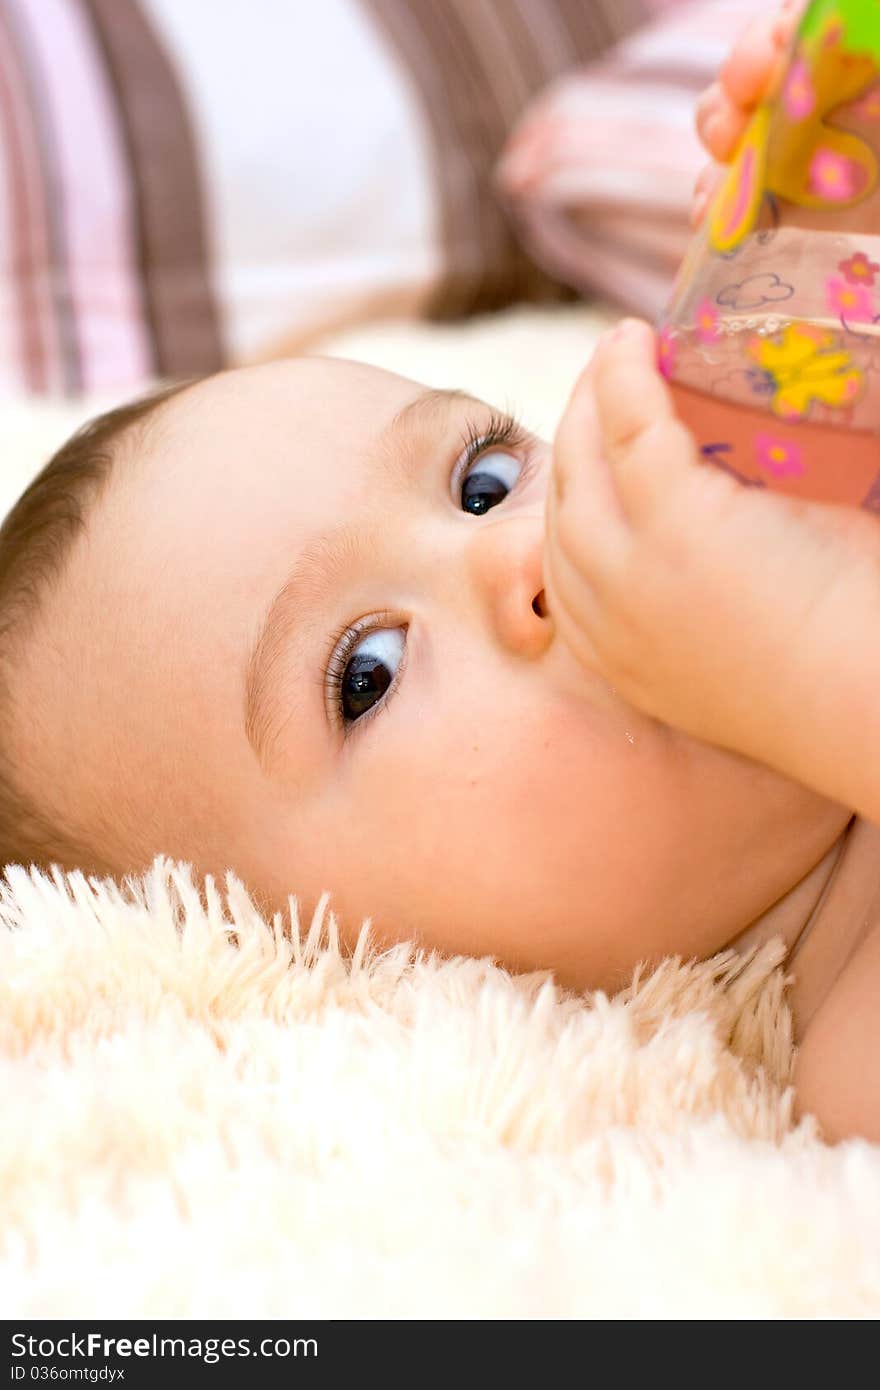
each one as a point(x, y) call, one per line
point(187, 184)
point(599, 172)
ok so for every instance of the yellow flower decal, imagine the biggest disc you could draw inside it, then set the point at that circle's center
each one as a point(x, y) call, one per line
point(789, 148)
point(803, 364)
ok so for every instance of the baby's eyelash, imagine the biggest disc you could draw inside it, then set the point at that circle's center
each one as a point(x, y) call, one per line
point(501, 431)
point(341, 653)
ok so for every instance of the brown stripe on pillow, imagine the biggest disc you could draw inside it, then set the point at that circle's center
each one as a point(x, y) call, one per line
point(605, 21)
point(25, 230)
point(180, 309)
point(38, 221)
point(691, 78)
point(474, 65)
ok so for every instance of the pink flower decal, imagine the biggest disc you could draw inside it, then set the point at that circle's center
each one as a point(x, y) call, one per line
point(851, 301)
point(798, 95)
point(833, 177)
point(666, 353)
point(778, 456)
point(858, 270)
point(706, 322)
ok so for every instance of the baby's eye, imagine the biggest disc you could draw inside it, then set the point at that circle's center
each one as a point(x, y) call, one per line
point(488, 482)
point(360, 674)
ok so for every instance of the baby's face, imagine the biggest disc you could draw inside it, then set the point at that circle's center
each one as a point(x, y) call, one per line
point(305, 636)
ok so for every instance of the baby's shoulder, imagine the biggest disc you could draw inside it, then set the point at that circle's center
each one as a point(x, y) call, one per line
point(837, 1071)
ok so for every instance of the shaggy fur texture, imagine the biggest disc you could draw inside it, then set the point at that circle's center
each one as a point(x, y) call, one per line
point(208, 1114)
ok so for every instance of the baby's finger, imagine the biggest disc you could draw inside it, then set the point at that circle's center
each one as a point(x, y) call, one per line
point(725, 108)
point(573, 602)
point(787, 20)
point(719, 122)
point(645, 444)
point(746, 74)
point(589, 522)
point(581, 515)
point(581, 479)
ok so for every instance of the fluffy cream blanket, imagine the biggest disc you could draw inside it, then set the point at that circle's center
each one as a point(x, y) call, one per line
point(210, 1115)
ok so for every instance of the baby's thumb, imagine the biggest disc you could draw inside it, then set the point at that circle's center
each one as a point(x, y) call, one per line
point(577, 435)
point(580, 472)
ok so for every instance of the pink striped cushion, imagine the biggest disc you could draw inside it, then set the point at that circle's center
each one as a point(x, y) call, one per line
point(191, 184)
point(599, 172)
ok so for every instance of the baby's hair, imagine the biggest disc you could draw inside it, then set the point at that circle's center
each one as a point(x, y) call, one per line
point(36, 540)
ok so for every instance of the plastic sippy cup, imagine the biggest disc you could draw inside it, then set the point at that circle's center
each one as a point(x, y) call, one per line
point(771, 341)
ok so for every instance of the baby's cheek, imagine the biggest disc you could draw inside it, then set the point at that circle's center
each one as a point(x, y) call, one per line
point(498, 782)
point(464, 785)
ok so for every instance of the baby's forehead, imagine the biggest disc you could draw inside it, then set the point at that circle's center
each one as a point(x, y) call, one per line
point(292, 419)
point(296, 416)
point(304, 383)
point(244, 441)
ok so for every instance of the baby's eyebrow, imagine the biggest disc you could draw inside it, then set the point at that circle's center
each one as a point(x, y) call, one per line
point(395, 456)
point(396, 451)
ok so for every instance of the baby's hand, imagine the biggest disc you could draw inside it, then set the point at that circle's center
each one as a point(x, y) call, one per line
point(709, 605)
point(725, 108)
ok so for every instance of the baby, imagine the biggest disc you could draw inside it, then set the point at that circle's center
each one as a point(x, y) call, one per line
point(313, 622)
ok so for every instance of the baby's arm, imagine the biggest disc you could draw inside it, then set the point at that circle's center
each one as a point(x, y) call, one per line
point(746, 618)
point(837, 1068)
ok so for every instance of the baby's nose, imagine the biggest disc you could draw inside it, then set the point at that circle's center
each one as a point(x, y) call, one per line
point(507, 560)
